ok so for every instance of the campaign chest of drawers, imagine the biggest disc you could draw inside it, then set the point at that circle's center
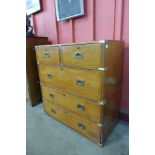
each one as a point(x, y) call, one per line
point(81, 85)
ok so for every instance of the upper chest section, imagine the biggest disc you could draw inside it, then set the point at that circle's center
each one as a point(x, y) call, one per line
point(85, 55)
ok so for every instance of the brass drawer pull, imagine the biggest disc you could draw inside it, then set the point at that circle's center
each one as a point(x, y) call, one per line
point(51, 95)
point(53, 111)
point(80, 82)
point(81, 107)
point(81, 126)
point(78, 55)
point(49, 76)
point(46, 54)
point(65, 112)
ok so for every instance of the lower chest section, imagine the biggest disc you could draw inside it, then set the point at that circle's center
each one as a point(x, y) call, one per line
point(79, 124)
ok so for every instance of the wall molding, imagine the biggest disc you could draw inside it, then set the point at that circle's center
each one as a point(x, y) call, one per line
point(118, 18)
point(72, 29)
point(92, 19)
point(55, 22)
point(34, 24)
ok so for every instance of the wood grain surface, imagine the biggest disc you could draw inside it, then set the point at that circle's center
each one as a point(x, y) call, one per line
point(72, 86)
point(48, 54)
point(90, 55)
point(83, 126)
point(33, 93)
point(70, 79)
point(77, 105)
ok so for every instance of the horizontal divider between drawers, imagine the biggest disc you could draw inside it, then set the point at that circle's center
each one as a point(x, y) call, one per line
point(70, 66)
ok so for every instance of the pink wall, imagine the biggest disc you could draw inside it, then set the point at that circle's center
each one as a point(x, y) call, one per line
point(104, 19)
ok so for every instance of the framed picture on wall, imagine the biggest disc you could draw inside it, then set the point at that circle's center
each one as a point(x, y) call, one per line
point(32, 6)
point(66, 9)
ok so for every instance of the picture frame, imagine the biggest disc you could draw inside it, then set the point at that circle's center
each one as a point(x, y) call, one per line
point(66, 9)
point(32, 6)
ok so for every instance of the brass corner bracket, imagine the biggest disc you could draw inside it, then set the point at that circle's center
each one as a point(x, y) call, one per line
point(102, 69)
point(102, 102)
point(99, 144)
point(101, 125)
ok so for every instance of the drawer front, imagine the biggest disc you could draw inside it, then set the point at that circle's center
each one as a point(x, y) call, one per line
point(82, 82)
point(86, 55)
point(79, 106)
point(48, 54)
point(83, 126)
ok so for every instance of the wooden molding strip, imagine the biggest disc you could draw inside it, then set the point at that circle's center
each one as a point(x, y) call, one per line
point(117, 33)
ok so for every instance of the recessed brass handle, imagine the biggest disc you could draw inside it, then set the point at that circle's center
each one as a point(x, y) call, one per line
point(80, 107)
point(78, 55)
point(46, 54)
point(80, 82)
point(49, 76)
point(53, 111)
point(51, 95)
point(65, 112)
point(81, 126)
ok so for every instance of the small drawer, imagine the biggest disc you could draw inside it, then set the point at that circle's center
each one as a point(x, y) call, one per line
point(82, 55)
point(79, 106)
point(81, 125)
point(48, 54)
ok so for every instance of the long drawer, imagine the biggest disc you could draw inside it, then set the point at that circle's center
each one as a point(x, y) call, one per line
point(87, 83)
point(79, 106)
point(83, 126)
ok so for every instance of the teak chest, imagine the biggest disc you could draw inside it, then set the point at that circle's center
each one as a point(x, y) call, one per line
point(81, 85)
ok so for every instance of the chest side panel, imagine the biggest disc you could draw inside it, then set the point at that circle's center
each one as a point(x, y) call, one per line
point(113, 56)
